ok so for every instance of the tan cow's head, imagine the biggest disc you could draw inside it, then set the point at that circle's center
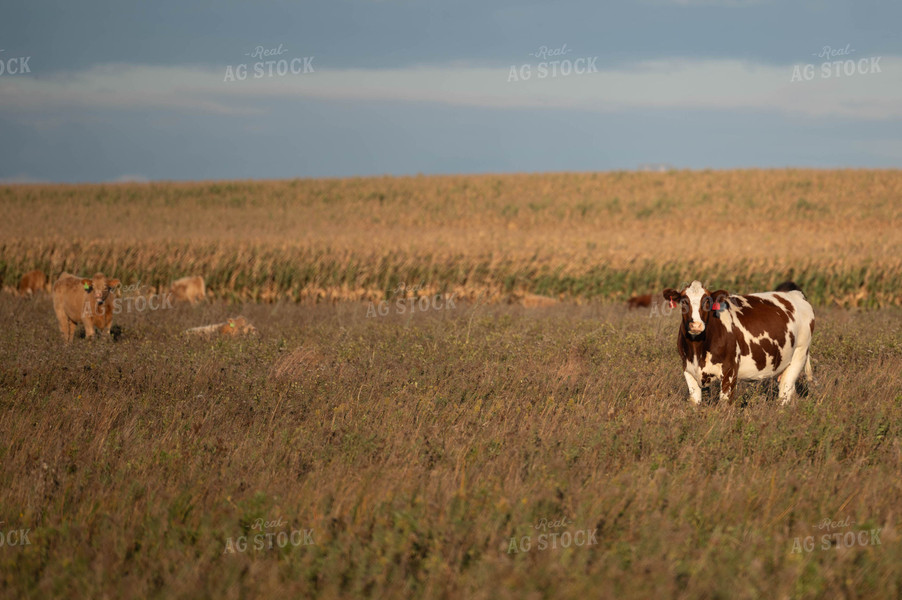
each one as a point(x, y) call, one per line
point(103, 289)
point(237, 326)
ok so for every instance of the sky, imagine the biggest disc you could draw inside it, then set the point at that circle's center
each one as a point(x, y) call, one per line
point(102, 91)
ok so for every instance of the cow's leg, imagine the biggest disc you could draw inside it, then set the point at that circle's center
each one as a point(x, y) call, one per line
point(69, 330)
point(103, 330)
point(788, 382)
point(64, 324)
point(89, 329)
point(695, 390)
point(728, 384)
point(809, 374)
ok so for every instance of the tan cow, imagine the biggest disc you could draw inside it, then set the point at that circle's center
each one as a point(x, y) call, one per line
point(535, 300)
point(190, 289)
point(87, 301)
point(233, 327)
point(31, 282)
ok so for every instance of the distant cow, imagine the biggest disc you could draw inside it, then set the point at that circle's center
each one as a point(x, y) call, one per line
point(31, 282)
point(788, 286)
point(81, 300)
point(537, 301)
point(729, 338)
point(190, 289)
point(233, 327)
point(639, 301)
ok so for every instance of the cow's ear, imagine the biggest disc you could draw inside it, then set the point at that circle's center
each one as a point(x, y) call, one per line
point(112, 283)
point(672, 295)
point(721, 297)
point(87, 284)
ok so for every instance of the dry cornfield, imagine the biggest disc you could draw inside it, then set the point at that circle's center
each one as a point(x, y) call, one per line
point(576, 236)
point(424, 454)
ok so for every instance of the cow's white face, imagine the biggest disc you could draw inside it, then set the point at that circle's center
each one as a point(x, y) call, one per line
point(697, 304)
point(695, 294)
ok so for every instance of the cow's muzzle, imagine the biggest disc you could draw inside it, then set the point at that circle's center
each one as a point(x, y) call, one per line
point(696, 327)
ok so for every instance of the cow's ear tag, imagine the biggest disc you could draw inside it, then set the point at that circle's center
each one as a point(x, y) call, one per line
point(672, 304)
point(231, 323)
point(87, 287)
point(716, 306)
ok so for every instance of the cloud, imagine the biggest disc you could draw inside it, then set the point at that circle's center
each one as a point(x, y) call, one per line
point(709, 3)
point(655, 84)
point(120, 86)
point(130, 179)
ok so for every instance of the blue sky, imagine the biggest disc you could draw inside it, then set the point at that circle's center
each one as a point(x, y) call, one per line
point(151, 91)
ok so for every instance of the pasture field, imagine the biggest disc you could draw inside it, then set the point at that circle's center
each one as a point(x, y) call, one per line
point(426, 454)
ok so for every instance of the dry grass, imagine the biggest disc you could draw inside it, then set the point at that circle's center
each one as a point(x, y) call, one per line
point(416, 446)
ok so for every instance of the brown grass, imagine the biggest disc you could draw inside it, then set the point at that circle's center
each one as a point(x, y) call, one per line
point(416, 446)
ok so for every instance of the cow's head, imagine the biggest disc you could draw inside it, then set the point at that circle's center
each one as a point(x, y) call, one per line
point(237, 326)
point(101, 287)
point(697, 305)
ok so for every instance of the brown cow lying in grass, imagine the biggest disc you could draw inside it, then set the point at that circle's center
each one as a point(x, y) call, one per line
point(191, 289)
point(31, 282)
point(233, 327)
point(639, 301)
point(88, 301)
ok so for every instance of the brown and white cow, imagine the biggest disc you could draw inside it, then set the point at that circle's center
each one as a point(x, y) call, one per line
point(731, 338)
point(81, 300)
